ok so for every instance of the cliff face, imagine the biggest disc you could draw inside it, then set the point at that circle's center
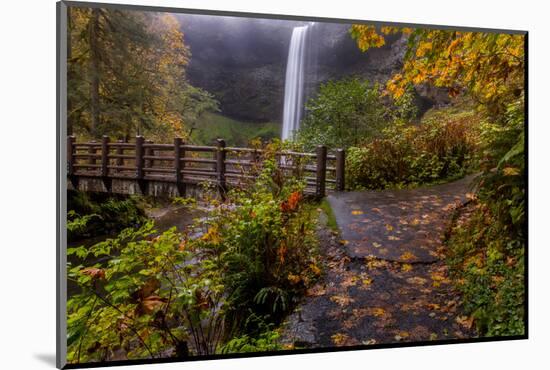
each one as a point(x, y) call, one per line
point(242, 61)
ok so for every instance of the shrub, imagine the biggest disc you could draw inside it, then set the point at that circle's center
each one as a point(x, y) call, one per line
point(153, 298)
point(439, 148)
point(99, 214)
point(226, 279)
point(486, 252)
point(267, 245)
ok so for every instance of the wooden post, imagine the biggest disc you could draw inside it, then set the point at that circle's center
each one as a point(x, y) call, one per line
point(148, 151)
point(120, 151)
point(220, 166)
point(70, 161)
point(104, 156)
point(91, 151)
point(70, 158)
point(105, 163)
point(340, 170)
point(177, 165)
point(321, 171)
point(139, 163)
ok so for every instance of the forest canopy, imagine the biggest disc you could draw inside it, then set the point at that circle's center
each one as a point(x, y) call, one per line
point(126, 75)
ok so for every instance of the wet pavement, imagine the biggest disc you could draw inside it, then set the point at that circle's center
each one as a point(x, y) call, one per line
point(385, 279)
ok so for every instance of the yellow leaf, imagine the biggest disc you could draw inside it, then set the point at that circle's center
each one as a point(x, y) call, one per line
point(389, 227)
point(407, 256)
point(510, 171)
point(356, 212)
point(316, 270)
point(294, 279)
point(378, 311)
point(339, 339)
point(406, 267)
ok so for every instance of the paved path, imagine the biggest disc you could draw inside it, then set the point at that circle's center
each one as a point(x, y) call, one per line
point(386, 280)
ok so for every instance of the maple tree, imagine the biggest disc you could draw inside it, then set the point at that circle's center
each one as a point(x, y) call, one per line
point(487, 66)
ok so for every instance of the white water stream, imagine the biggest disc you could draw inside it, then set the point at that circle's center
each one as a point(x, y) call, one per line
point(294, 82)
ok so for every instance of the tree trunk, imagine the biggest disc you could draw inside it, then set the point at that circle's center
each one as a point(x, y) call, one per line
point(69, 73)
point(94, 73)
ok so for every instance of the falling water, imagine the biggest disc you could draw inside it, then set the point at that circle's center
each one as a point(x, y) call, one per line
point(294, 82)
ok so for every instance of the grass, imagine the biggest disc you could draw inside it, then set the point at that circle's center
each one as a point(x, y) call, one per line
point(235, 133)
point(331, 219)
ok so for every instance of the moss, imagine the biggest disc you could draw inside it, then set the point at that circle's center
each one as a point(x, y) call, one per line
point(331, 219)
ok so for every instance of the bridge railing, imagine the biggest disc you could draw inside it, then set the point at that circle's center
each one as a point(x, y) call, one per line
point(182, 164)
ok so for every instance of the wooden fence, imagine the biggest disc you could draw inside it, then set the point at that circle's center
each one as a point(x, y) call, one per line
point(182, 164)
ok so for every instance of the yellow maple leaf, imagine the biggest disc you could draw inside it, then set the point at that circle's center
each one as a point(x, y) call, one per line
point(407, 256)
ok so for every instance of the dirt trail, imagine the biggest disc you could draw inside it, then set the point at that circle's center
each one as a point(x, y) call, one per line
point(386, 280)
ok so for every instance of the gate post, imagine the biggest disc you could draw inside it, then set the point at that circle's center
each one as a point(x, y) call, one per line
point(340, 170)
point(320, 185)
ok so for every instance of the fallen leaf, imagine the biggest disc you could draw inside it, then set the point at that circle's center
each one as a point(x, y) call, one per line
point(465, 321)
point(316, 270)
point(342, 300)
point(389, 227)
point(406, 267)
point(392, 237)
point(367, 281)
point(402, 335)
point(339, 339)
point(349, 281)
point(316, 291)
point(378, 311)
point(407, 256)
point(376, 245)
point(369, 342)
point(356, 212)
point(417, 280)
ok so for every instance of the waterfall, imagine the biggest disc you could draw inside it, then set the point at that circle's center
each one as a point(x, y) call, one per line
point(294, 82)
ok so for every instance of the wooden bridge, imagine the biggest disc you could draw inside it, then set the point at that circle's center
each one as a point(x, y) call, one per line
point(179, 169)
